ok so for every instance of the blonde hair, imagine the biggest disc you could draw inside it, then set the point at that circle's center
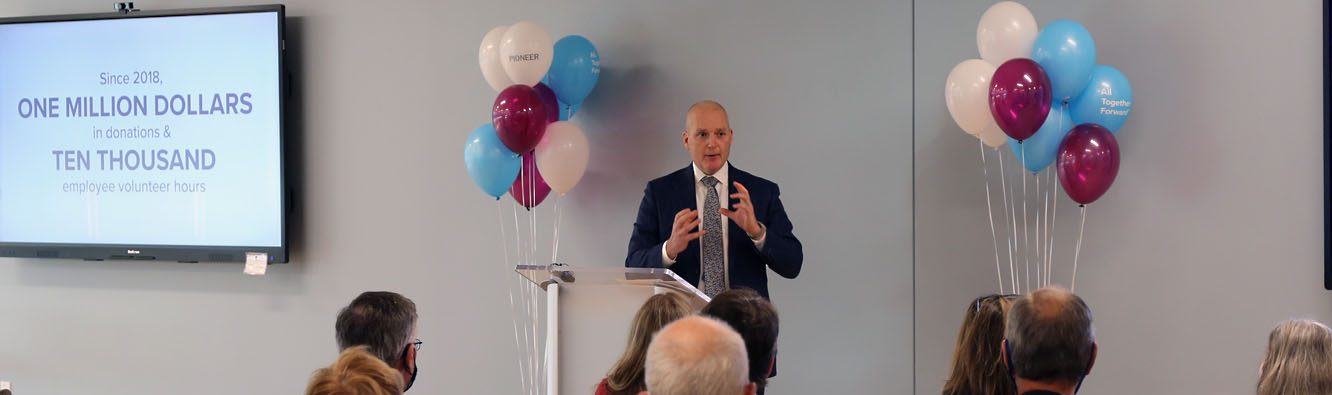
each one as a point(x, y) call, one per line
point(1299, 359)
point(356, 372)
point(978, 367)
point(626, 376)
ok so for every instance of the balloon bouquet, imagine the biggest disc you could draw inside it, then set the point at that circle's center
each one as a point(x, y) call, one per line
point(1028, 90)
point(529, 147)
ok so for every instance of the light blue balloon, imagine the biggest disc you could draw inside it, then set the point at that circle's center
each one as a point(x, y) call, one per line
point(1106, 100)
point(1042, 147)
point(567, 110)
point(492, 166)
point(1066, 50)
point(574, 69)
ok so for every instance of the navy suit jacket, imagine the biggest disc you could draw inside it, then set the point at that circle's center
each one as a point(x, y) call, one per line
point(666, 196)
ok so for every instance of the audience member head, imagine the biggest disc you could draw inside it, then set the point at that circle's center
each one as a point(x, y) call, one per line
point(756, 320)
point(978, 365)
point(1299, 359)
point(698, 355)
point(384, 322)
point(626, 376)
point(356, 372)
point(1049, 342)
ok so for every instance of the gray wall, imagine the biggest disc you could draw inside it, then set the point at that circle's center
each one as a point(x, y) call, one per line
point(819, 96)
point(1212, 232)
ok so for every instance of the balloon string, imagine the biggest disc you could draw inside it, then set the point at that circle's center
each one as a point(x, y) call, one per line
point(532, 212)
point(513, 309)
point(1054, 204)
point(555, 240)
point(1026, 240)
point(504, 242)
point(1078, 250)
point(1010, 217)
point(1036, 224)
point(989, 210)
point(521, 313)
point(504, 237)
point(1049, 246)
point(518, 237)
point(531, 350)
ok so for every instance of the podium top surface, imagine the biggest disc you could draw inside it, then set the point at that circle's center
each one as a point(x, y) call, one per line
point(607, 276)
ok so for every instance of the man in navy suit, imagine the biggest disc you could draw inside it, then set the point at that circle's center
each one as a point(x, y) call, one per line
point(716, 226)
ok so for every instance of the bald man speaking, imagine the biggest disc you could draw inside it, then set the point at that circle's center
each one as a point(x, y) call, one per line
point(716, 226)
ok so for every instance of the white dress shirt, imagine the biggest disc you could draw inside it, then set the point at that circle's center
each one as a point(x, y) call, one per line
point(701, 193)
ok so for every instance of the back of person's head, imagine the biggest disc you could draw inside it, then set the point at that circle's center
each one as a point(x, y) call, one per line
point(978, 365)
point(356, 372)
point(1299, 359)
point(698, 355)
point(383, 321)
point(756, 320)
point(626, 376)
point(1049, 337)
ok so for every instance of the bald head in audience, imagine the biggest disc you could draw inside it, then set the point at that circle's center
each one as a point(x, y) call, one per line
point(1049, 342)
point(698, 356)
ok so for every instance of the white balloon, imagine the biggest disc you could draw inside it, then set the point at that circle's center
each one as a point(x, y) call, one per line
point(561, 156)
point(525, 53)
point(1007, 30)
point(992, 136)
point(489, 57)
point(967, 94)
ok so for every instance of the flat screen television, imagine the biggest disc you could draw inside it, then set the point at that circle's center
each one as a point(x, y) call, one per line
point(144, 135)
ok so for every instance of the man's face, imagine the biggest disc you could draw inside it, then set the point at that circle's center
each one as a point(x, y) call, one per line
point(707, 135)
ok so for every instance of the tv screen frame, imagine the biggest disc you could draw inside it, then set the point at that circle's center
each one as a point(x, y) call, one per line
point(1327, 147)
point(178, 253)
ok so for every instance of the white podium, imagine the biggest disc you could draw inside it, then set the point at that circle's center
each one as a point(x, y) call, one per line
point(588, 313)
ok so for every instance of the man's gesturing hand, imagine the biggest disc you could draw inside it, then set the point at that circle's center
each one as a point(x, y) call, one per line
point(685, 221)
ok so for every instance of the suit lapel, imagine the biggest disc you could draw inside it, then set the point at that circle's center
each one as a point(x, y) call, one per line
point(684, 185)
point(737, 236)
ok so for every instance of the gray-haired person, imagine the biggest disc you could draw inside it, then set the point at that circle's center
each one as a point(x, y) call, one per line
point(385, 322)
point(1049, 345)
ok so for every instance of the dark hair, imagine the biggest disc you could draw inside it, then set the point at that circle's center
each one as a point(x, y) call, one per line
point(1050, 336)
point(978, 367)
point(756, 320)
point(381, 320)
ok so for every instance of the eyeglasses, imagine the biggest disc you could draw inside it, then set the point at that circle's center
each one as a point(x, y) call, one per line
point(993, 297)
point(416, 343)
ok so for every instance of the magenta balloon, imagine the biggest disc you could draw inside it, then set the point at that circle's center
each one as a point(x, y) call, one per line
point(530, 189)
point(1088, 162)
point(1020, 97)
point(519, 117)
point(548, 99)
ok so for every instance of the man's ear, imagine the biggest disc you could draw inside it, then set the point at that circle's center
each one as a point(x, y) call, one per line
point(751, 388)
point(408, 361)
point(684, 137)
point(771, 364)
point(1091, 362)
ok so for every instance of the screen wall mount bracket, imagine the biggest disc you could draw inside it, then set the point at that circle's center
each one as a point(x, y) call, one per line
point(124, 7)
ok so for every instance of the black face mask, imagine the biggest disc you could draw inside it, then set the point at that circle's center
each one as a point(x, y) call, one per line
point(412, 380)
point(415, 368)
